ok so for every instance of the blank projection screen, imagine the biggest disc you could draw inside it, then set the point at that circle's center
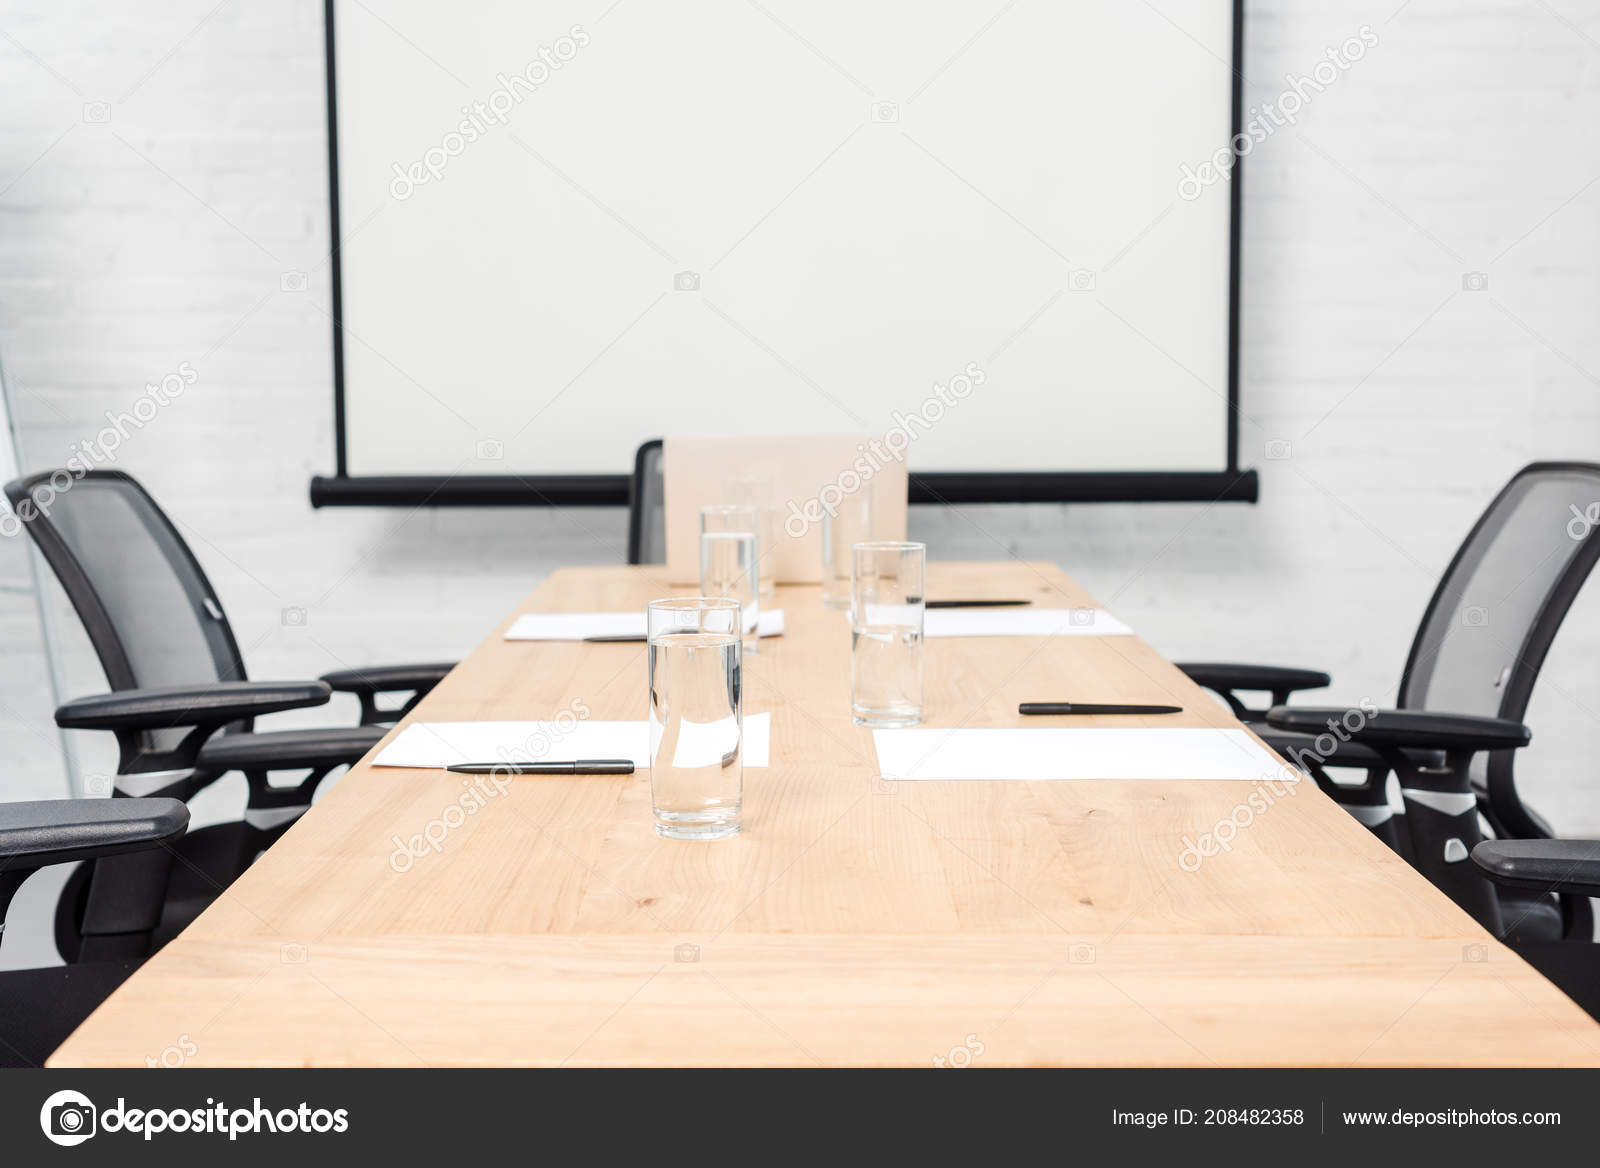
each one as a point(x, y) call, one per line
point(567, 228)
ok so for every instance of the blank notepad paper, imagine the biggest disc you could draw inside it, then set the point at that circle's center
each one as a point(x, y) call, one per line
point(1076, 754)
point(1022, 622)
point(442, 744)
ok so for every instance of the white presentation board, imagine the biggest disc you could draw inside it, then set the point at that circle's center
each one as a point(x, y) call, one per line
point(566, 228)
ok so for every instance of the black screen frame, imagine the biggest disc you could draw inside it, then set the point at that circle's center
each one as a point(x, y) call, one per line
point(1231, 484)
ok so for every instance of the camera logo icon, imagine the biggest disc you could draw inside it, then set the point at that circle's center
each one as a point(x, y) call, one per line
point(686, 954)
point(1081, 280)
point(97, 113)
point(293, 282)
point(1279, 449)
point(883, 113)
point(293, 617)
point(491, 450)
point(1475, 953)
point(292, 954)
point(1082, 953)
point(67, 1118)
point(686, 282)
point(1475, 282)
point(1475, 616)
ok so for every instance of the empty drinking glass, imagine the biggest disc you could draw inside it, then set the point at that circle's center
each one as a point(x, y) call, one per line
point(696, 717)
point(886, 608)
point(730, 552)
point(846, 524)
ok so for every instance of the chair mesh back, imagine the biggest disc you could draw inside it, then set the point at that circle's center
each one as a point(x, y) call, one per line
point(647, 508)
point(147, 606)
point(1497, 609)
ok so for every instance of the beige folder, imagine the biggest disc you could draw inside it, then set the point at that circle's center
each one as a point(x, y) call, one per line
point(807, 472)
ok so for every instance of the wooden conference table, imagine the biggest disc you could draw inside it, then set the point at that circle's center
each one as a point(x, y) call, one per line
point(854, 921)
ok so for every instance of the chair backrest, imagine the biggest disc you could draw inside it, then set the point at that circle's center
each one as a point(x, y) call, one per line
point(147, 606)
point(647, 507)
point(1489, 625)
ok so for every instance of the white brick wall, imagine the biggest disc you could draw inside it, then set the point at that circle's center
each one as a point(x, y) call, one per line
point(1464, 141)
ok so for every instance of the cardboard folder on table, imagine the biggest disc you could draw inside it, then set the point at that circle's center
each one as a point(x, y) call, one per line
point(806, 471)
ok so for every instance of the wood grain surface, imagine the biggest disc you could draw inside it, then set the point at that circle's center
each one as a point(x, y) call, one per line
point(854, 921)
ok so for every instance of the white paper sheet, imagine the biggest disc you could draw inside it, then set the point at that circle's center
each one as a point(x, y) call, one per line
point(702, 744)
point(1068, 753)
point(1022, 622)
point(442, 744)
point(575, 626)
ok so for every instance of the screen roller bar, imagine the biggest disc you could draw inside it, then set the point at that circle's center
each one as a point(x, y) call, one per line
point(612, 490)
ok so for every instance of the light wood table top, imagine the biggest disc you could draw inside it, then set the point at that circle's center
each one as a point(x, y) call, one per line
point(854, 921)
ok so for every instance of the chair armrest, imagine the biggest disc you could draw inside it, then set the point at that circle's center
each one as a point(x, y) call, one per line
point(202, 705)
point(36, 834)
point(1406, 729)
point(386, 678)
point(205, 709)
point(39, 833)
point(1276, 680)
point(367, 684)
point(1262, 677)
point(1548, 865)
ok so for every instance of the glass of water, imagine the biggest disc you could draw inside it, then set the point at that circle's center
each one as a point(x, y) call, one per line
point(760, 492)
point(730, 553)
point(696, 717)
point(886, 607)
point(847, 524)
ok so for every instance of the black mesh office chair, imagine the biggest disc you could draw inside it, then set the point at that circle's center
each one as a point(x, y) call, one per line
point(40, 1007)
point(647, 507)
point(1466, 686)
point(182, 708)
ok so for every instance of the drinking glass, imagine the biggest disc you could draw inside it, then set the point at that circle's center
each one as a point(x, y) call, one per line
point(730, 551)
point(759, 491)
point(848, 523)
point(696, 717)
point(886, 607)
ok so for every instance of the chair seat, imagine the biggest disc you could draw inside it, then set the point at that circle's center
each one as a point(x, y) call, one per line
point(1574, 967)
point(289, 749)
point(39, 1008)
point(205, 863)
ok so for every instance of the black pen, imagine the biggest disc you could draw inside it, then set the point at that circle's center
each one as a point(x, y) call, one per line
point(976, 603)
point(582, 766)
point(1090, 708)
